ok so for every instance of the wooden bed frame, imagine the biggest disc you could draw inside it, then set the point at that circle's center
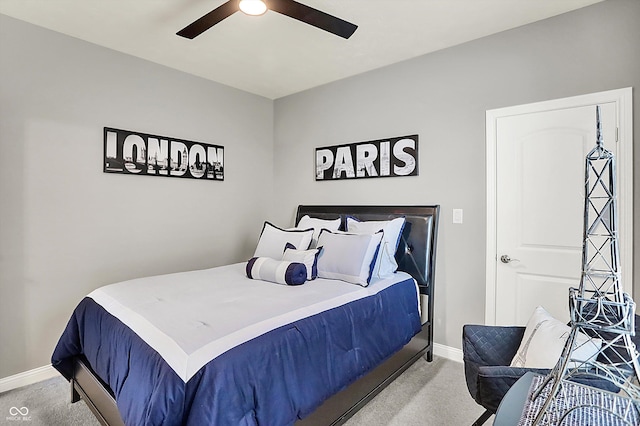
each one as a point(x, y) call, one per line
point(416, 255)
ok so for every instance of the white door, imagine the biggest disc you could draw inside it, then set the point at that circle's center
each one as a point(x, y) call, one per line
point(539, 205)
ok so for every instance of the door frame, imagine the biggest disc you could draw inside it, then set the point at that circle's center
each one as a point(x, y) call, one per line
point(624, 163)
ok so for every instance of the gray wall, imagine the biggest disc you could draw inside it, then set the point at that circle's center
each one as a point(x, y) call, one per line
point(66, 227)
point(443, 97)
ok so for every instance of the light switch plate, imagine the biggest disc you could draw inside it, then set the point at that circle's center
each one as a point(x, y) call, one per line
point(457, 215)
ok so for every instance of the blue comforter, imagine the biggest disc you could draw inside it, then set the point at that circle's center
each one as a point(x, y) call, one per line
point(274, 379)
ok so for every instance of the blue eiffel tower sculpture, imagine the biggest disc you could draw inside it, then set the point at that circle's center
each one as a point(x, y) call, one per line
point(601, 310)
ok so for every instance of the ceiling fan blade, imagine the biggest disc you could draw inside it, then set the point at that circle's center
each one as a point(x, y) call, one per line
point(314, 17)
point(209, 20)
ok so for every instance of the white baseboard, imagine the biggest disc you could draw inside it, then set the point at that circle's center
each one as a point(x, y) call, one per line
point(27, 378)
point(447, 352)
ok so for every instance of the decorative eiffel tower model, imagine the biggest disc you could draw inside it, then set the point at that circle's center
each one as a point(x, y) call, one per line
point(601, 310)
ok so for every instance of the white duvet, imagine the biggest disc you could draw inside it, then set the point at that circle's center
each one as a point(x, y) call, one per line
point(190, 318)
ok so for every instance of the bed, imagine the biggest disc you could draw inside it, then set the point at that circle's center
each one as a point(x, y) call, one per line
point(317, 374)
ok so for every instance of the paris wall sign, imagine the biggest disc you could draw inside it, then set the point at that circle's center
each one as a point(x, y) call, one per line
point(390, 157)
point(136, 153)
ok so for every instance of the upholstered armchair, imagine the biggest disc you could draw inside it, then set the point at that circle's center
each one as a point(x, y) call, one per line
point(487, 353)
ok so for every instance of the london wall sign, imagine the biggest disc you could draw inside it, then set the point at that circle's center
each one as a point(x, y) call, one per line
point(390, 157)
point(136, 153)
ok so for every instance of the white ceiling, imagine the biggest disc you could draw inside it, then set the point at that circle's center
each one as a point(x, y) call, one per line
point(273, 55)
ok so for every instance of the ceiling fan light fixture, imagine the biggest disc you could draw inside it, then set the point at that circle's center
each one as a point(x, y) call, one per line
point(253, 7)
point(290, 8)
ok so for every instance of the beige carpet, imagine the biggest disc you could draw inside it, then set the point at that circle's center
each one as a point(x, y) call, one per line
point(426, 394)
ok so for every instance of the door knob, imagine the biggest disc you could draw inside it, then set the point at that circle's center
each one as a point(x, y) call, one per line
point(506, 259)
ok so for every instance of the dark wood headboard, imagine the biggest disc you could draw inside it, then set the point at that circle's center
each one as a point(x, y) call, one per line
point(416, 252)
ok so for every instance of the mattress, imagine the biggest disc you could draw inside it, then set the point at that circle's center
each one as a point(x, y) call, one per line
point(214, 347)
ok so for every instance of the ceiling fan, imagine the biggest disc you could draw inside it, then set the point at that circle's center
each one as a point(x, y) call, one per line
point(290, 8)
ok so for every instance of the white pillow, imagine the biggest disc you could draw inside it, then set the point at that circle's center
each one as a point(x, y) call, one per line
point(308, 257)
point(307, 222)
point(273, 240)
point(386, 263)
point(544, 339)
point(348, 257)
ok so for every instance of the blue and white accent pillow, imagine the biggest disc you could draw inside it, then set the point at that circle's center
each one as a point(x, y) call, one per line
point(317, 224)
point(386, 263)
point(348, 257)
point(308, 257)
point(277, 271)
point(273, 240)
